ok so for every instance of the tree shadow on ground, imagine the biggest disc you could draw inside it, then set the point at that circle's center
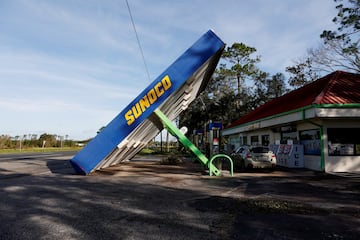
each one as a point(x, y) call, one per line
point(60, 166)
point(63, 205)
point(80, 207)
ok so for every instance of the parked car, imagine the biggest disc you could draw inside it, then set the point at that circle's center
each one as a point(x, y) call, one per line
point(246, 157)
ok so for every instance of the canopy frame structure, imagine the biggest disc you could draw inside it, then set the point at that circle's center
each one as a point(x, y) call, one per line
point(137, 124)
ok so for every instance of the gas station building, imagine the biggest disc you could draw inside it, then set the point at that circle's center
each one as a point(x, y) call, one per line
point(316, 126)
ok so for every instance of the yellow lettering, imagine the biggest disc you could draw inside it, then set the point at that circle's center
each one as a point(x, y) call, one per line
point(149, 99)
point(129, 117)
point(152, 96)
point(166, 82)
point(144, 103)
point(136, 110)
point(158, 89)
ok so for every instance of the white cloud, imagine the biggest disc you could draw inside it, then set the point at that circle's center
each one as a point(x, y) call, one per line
point(78, 63)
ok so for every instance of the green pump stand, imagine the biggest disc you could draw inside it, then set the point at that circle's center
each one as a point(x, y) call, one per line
point(173, 130)
point(221, 156)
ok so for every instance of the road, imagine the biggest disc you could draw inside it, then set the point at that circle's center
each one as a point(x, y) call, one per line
point(12, 165)
point(42, 198)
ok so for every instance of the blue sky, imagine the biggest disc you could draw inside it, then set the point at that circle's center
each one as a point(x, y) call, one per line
point(68, 67)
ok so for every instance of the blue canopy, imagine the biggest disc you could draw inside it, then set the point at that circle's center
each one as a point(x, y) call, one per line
point(136, 124)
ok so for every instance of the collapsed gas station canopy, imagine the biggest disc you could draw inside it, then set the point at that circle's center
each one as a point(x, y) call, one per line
point(137, 124)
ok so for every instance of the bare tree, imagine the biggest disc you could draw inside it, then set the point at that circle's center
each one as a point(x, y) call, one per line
point(341, 47)
point(331, 57)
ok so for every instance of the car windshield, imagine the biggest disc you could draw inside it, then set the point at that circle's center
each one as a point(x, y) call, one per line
point(241, 149)
point(260, 150)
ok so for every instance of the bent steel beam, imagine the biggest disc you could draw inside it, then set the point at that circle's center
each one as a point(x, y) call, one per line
point(173, 130)
point(137, 124)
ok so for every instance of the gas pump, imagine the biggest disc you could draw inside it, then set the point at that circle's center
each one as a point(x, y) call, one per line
point(213, 138)
point(213, 141)
point(198, 139)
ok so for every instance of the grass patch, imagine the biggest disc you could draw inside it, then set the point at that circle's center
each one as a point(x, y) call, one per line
point(157, 151)
point(35, 150)
point(147, 151)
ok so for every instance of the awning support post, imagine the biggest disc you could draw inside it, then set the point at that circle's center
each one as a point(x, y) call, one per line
point(173, 130)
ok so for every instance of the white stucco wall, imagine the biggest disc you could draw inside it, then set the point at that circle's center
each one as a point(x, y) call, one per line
point(312, 162)
point(346, 118)
point(342, 164)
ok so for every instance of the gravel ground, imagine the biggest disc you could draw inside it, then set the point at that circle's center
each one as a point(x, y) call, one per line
point(144, 199)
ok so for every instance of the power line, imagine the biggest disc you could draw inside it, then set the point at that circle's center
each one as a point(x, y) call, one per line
point(138, 41)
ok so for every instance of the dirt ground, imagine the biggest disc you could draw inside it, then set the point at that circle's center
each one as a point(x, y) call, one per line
point(144, 199)
point(262, 204)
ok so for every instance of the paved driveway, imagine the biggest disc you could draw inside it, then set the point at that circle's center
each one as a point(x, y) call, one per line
point(42, 198)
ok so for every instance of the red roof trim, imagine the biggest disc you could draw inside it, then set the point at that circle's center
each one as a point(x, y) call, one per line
point(336, 88)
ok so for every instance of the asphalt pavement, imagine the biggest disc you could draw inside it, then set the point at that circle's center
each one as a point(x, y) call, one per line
point(43, 198)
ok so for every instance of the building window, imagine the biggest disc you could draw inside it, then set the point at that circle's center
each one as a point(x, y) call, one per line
point(288, 133)
point(244, 140)
point(311, 141)
point(343, 141)
point(288, 136)
point(254, 140)
point(265, 140)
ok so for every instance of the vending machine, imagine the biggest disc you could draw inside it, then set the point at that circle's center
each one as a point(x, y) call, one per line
point(289, 155)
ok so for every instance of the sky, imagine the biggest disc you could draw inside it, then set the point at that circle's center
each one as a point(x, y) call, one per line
point(68, 67)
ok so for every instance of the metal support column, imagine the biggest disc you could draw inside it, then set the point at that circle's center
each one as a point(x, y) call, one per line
point(173, 130)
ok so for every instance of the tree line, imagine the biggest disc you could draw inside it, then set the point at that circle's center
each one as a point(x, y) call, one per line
point(239, 86)
point(44, 140)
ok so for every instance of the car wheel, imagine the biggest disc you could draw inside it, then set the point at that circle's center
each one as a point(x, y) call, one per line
point(242, 165)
